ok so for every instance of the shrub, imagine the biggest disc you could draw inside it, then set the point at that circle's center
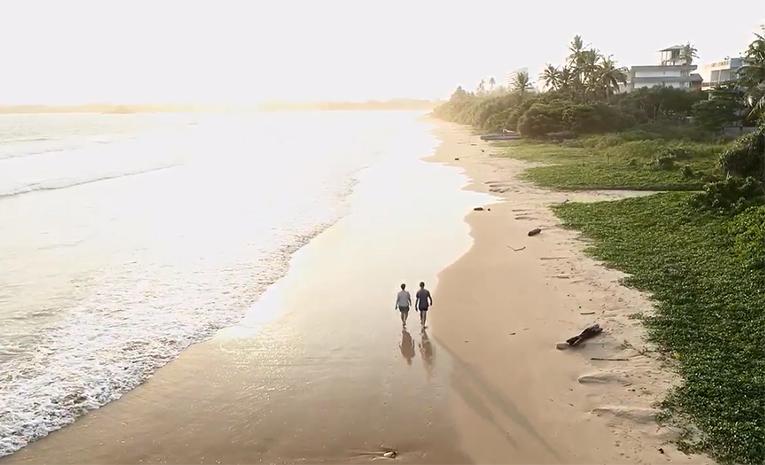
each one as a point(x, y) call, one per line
point(687, 172)
point(748, 230)
point(677, 152)
point(731, 195)
point(588, 119)
point(663, 162)
point(747, 156)
point(515, 116)
point(499, 121)
point(541, 119)
point(660, 103)
point(715, 113)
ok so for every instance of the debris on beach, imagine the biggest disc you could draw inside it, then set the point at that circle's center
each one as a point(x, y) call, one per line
point(587, 313)
point(578, 340)
point(383, 453)
point(478, 209)
point(564, 346)
point(517, 250)
point(590, 331)
point(535, 231)
point(456, 158)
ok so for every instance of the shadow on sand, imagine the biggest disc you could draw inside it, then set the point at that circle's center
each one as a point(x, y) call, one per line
point(407, 346)
point(479, 395)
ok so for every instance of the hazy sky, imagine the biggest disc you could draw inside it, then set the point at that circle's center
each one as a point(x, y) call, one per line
point(243, 51)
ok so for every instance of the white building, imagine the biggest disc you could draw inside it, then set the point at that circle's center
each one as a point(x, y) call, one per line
point(673, 70)
point(721, 72)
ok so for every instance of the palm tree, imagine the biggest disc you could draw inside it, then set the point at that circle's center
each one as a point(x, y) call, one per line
point(752, 76)
point(551, 77)
point(521, 82)
point(492, 83)
point(587, 73)
point(565, 78)
point(610, 76)
point(583, 68)
point(688, 53)
point(576, 48)
point(481, 87)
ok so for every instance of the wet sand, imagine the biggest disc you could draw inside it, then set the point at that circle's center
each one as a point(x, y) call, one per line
point(320, 370)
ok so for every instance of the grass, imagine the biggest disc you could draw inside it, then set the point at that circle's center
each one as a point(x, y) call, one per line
point(710, 304)
point(705, 271)
point(617, 162)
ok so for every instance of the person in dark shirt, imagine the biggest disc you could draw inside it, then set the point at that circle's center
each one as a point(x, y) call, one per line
point(423, 303)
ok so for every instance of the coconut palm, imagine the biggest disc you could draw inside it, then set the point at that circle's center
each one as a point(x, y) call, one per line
point(521, 82)
point(576, 47)
point(492, 83)
point(551, 77)
point(565, 78)
point(587, 73)
point(688, 53)
point(610, 76)
point(752, 76)
point(481, 89)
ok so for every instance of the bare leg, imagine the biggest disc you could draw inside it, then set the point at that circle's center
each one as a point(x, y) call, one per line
point(423, 317)
point(404, 315)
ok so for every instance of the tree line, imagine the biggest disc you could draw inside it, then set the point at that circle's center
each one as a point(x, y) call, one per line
point(583, 95)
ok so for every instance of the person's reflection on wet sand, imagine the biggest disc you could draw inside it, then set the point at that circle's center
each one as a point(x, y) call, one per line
point(426, 352)
point(407, 346)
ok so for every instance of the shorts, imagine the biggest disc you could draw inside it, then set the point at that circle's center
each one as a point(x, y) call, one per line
point(403, 309)
point(424, 309)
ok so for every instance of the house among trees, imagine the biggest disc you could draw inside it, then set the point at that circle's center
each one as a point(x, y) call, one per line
point(674, 70)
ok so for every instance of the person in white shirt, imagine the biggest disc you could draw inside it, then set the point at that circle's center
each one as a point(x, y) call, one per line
point(403, 302)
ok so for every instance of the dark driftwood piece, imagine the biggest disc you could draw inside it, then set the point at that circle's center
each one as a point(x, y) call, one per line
point(478, 209)
point(534, 232)
point(590, 331)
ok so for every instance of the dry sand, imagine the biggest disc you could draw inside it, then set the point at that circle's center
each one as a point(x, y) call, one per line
point(321, 372)
point(507, 302)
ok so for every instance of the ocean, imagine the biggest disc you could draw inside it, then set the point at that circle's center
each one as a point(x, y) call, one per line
point(125, 238)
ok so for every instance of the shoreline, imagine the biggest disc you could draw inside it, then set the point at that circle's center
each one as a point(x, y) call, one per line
point(318, 384)
point(319, 370)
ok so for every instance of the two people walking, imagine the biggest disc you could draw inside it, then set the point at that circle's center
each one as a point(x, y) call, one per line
point(422, 303)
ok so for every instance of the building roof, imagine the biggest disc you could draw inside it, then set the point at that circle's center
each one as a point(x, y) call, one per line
point(674, 47)
point(659, 67)
point(696, 77)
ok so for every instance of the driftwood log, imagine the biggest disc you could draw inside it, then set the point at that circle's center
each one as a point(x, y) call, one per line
point(590, 331)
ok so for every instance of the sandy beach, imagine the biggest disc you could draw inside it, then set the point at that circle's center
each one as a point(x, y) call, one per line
point(320, 371)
